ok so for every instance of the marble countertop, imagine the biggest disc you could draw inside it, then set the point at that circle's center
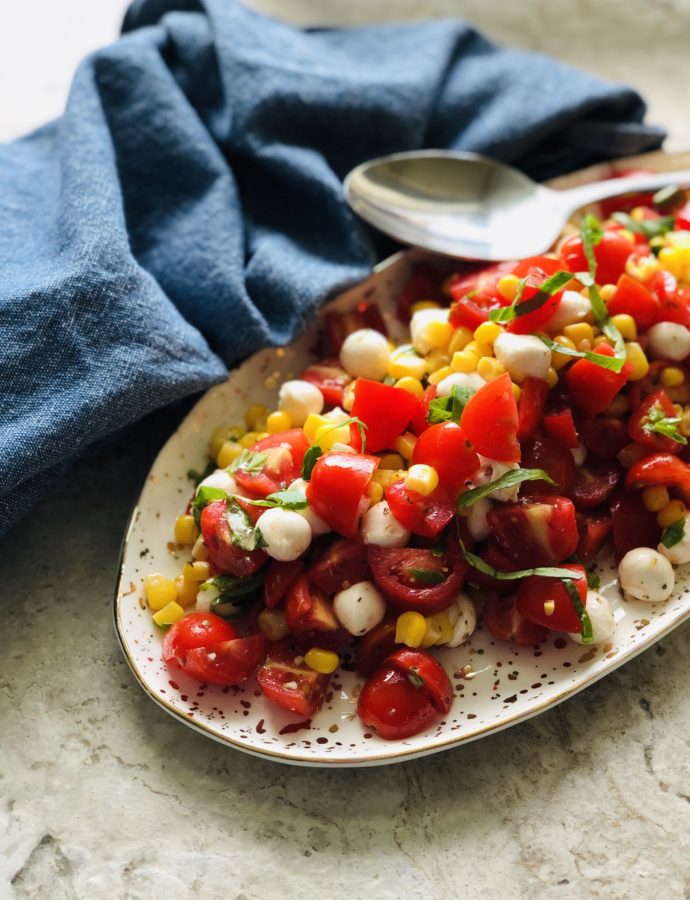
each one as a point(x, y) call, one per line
point(104, 796)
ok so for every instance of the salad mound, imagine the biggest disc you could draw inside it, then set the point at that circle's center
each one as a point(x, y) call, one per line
point(538, 415)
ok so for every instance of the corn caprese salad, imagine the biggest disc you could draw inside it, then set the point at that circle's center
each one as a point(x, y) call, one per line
point(539, 410)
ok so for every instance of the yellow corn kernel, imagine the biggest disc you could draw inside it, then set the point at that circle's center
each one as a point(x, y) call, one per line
point(186, 591)
point(312, 424)
point(436, 360)
point(517, 392)
point(424, 304)
point(196, 571)
point(421, 478)
point(411, 385)
point(405, 363)
point(250, 438)
point(348, 399)
point(684, 426)
point(221, 435)
point(410, 629)
point(278, 421)
point(670, 259)
point(405, 444)
point(606, 292)
point(159, 590)
point(440, 374)
point(579, 331)
point(508, 287)
point(637, 359)
point(490, 368)
point(559, 360)
point(460, 339)
point(627, 234)
point(439, 628)
point(273, 625)
point(464, 361)
point(228, 453)
point(327, 435)
point(375, 493)
point(618, 407)
point(387, 477)
point(638, 213)
point(672, 376)
point(487, 332)
point(323, 661)
point(549, 608)
point(391, 461)
point(655, 498)
point(479, 349)
point(168, 615)
point(185, 530)
point(626, 325)
point(674, 510)
point(438, 334)
point(255, 416)
point(643, 269)
point(199, 550)
point(552, 378)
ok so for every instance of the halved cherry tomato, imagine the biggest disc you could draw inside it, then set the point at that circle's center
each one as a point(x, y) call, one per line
point(419, 422)
point(535, 534)
point(226, 556)
point(536, 594)
point(640, 423)
point(428, 673)
point(291, 685)
point(593, 387)
point(230, 662)
point(375, 646)
point(560, 426)
point(504, 622)
point(284, 454)
point(340, 324)
point(329, 378)
point(673, 303)
point(594, 482)
point(338, 491)
point(632, 524)
point(547, 265)
point(555, 459)
point(604, 436)
point(493, 556)
point(596, 527)
point(531, 406)
point(342, 563)
point(384, 409)
point(446, 448)
point(661, 469)
point(192, 631)
point(633, 299)
point(424, 283)
point(475, 294)
point(422, 514)
point(490, 420)
point(400, 573)
point(611, 254)
point(308, 609)
point(280, 576)
point(529, 322)
point(392, 705)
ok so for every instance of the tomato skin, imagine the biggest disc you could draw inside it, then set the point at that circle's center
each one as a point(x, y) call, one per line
point(555, 459)
point(192, 631)
point(490, 420)
point(225, 556)
point(504, 622)
point(661, 469)
point(536, 590)
point(375, 646)
point(393, 706)
point(419, 513)
point(470, 312)
point(419, 422)
point(596, 527)
point(533, 321)
point(494, 556)
point(540, 533)
point(446, 448)
point(230, 662)
point(342, 563)
point(330, 378)
point(338, 325)
point(531, 406)
point(279, 670)
point(683, 218)
point(339, 489)
point(632, 524)
point(285, 454)
point(611, 254)
point(592, 387)
point(660, 443)
point(673, 303)
point(280, 576)
point(634, 299)
point(603, 436)
point(561, 427)
point(307, 609)
point(390, 565)
point(594, 482)
point(422, 665)
point(384, 409)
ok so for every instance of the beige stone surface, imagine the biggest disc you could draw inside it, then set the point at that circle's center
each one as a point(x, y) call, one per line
point(103, 796)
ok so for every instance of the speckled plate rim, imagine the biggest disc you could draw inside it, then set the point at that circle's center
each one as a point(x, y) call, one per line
point(392, 753)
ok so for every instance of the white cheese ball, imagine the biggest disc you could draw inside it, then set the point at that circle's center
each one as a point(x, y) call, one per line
point(601, 617)
point(365, 354)
point(679, 553)
point(220, 479)
point(298, 399)
point(286, 532)
point(646, 575)
point(317, 524)
point(523, 355)
point(421, 323)
point(572, 308)
point(463, 618)
point(669, 340)
point(579, 454)
point(205, 597)
point(491, 470)
point(360, 607)
point(471, 380)
point(379, 526)
point(476, 519)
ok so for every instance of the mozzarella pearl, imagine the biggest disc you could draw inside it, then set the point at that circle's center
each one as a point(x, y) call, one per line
point(360, 607)
point(679, 553)
point(646, 575)
point(298, 399)
point(220, 479)
point(365, 354)
point(471, 380)
point(463, 617)
point(422, 323)
point(523, 355)
point(669, 340)
point(476, 520)
point(601, 617)
point(579, 454)
point(316, 523)
point(379, 526)
point(572, 308)
point(286, 532)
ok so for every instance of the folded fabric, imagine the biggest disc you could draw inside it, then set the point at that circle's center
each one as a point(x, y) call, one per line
point(187, 207)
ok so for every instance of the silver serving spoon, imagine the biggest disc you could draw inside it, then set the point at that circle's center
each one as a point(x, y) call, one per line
point(466, 205)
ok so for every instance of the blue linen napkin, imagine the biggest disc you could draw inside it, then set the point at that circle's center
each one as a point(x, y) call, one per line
point(187, 207)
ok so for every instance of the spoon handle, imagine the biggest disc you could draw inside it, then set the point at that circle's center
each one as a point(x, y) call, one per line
point(575, 198)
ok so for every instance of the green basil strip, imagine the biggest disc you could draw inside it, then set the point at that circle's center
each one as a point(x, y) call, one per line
point(614, 363)
point(650, 228)
point(427, 576)
point(249, 461)
point(591, 233)
point(507, 480)
point(659, 423)
point(545, 571)
point(579, 607)
point(204, 496)
point(235, 594)
point(593, 581)
point(309, 461)
point(284, 499)
point(553, 284)
point(451, 408)
point(674, 533)
point(243, 534)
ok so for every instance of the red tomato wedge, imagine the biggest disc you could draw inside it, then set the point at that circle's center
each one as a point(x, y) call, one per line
point(342, 563)
point(634, 299)
point(603, 435)
point(445, 447)
point(632, 524)
point(416, 578)
point(375, 646)
point(611, 254)
point(290, 684)
point(545, 601)
point(384, 409)
point(535, 533)
point(661, 469)
point(426, 515)
point(393, 706)
point(530, 322)
point(490, 420)
point(596, 527)
point(555, 459)
point(338, 491)
point(308, 609)
point(561, 427)
point(230, 662)
point(419, 422)
point(284, 454)
point(504, 622)
point(654, 407)
point(428, 673)
point(531, 406)
point(280, 576)
point(330, 378)
point(226, 556)
point(594, 482)
point(593, 387)
point(475, 294)
point(192, 631)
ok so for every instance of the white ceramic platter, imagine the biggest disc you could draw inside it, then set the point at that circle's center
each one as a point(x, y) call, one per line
point(496, 684)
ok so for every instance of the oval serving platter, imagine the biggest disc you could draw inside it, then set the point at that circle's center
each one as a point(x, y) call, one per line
point(496, 684)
